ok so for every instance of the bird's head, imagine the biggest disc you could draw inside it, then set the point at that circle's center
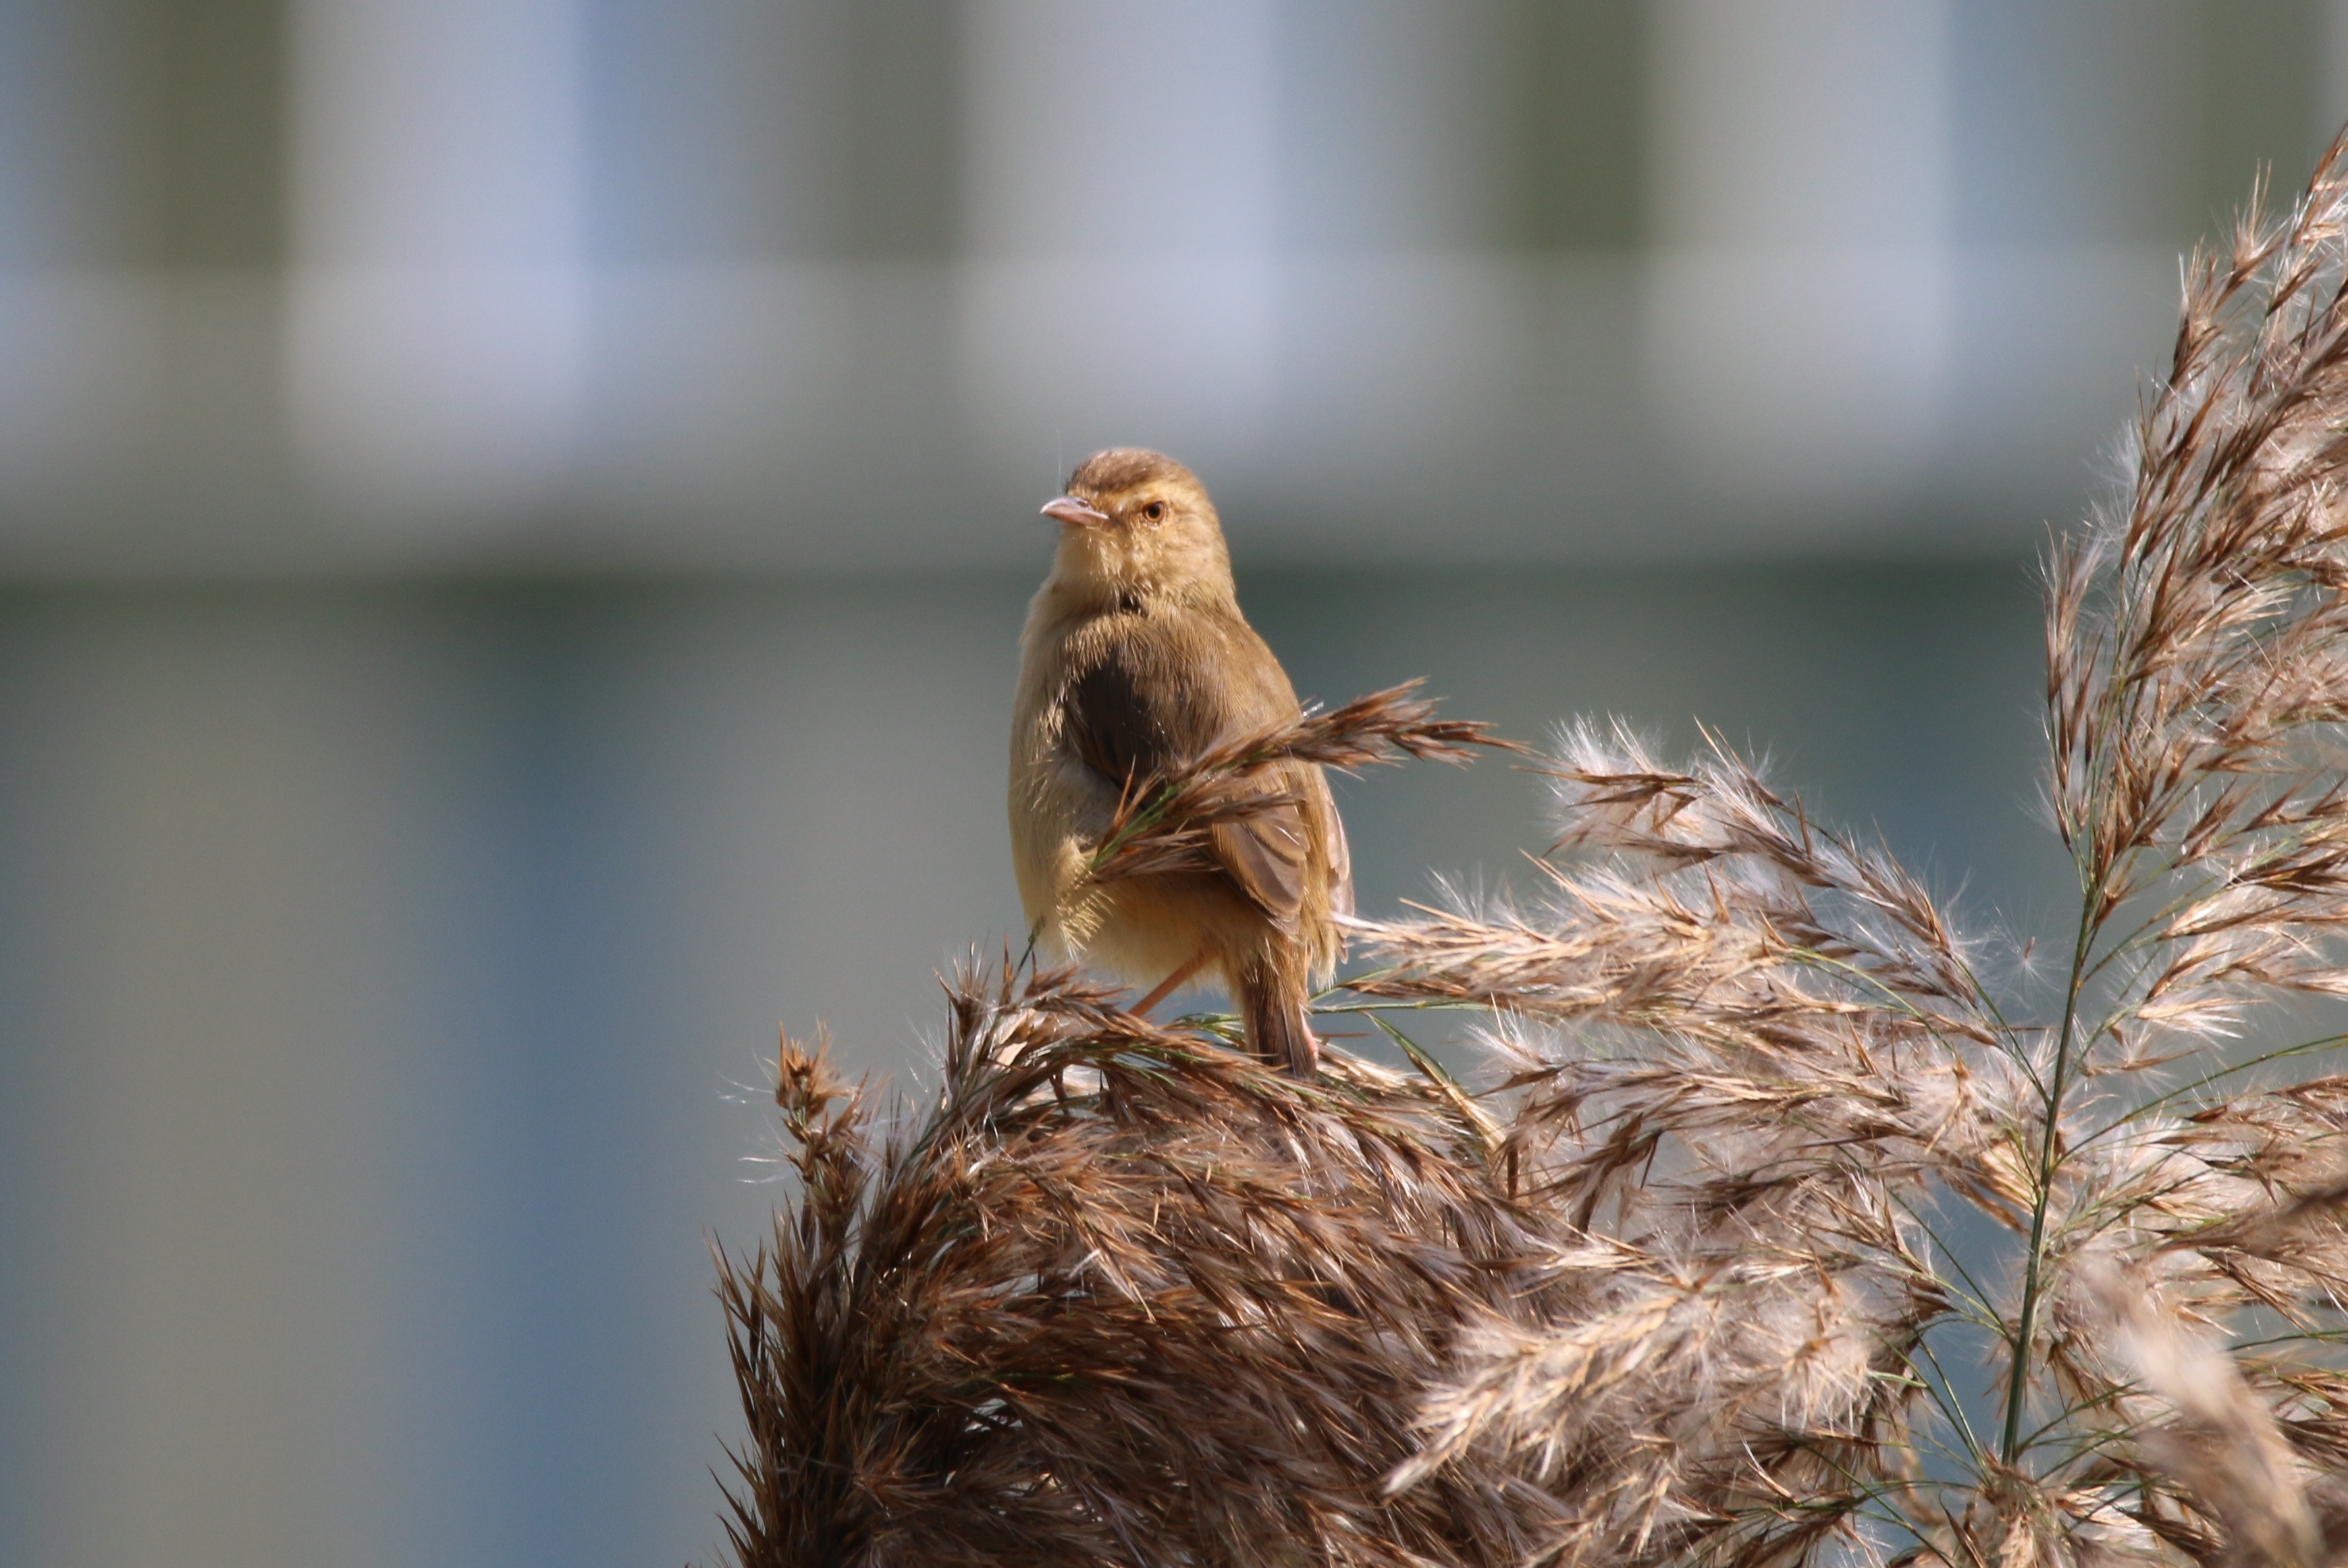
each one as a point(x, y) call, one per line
point(1139, 522)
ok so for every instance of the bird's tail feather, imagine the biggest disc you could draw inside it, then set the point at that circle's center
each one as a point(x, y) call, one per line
point(1272, 1007)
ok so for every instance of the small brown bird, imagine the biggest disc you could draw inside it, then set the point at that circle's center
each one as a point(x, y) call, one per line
point(1135, 659)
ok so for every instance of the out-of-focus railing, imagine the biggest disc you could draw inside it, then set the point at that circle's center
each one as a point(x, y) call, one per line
point(353, 284)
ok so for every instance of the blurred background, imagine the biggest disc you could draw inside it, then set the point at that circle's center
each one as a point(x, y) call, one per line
point(515, 514)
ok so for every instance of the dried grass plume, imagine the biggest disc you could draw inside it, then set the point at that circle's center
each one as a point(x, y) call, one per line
point(1788, 1227)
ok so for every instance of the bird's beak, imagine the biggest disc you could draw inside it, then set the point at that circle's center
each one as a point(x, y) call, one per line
point(1082, 514)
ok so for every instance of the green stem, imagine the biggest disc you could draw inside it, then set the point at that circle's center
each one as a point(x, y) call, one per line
point(2026, 1321)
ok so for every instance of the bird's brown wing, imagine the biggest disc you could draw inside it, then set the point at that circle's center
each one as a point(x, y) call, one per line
point(1149, 703)
point(1264, 853)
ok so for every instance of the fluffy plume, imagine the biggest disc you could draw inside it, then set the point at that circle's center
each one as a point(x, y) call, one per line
point(1683, 1283)
point(1121, 1295)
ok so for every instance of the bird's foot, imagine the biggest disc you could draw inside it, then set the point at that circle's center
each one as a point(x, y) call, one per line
point(1167, 986)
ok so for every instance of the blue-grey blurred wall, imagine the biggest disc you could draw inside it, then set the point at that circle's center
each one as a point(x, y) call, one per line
point(514, 516)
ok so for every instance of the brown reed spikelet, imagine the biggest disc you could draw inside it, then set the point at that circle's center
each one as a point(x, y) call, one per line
point(1702, 1278)
point(1161, 822)
point(1123, 1295)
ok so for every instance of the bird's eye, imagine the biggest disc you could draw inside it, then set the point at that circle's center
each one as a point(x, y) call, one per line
point(1155, 512)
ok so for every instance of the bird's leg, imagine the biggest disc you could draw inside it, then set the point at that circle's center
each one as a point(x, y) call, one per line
point(1166, 988)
